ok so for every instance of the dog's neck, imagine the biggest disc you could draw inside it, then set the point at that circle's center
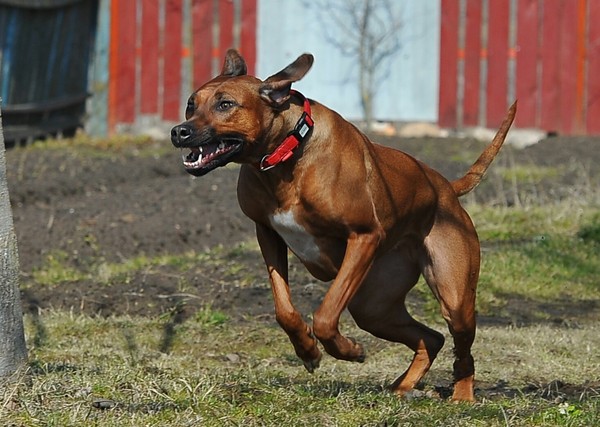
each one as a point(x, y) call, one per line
point(294, 138)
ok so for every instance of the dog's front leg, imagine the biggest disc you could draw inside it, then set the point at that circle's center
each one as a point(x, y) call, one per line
point(274, 251)
point(360, 252)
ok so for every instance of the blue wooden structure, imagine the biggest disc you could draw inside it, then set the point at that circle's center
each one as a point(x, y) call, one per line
point(45, 50)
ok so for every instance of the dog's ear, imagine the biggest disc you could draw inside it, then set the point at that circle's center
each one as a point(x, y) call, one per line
point(276, 89)
point(234, 64)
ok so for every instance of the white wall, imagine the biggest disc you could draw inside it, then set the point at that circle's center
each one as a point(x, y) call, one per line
point(287, 28)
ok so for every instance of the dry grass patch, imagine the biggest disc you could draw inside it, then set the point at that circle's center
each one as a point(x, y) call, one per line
point(109, 372)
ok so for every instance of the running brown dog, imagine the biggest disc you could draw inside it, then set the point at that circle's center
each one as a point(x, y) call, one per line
point(368, 217)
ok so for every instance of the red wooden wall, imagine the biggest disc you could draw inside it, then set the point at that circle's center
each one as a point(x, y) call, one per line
point(161, 50)
point(545, 53)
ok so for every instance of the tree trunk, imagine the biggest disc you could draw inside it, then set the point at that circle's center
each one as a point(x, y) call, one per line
point(365, 53)
point(13, 352)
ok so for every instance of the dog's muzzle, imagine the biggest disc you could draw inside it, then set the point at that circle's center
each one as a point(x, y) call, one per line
point(207, 150)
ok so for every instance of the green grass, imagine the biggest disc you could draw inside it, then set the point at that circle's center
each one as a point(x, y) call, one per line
point(85, 145)
point(527, 173)
point(545, 254)
point(534, 222)
point(58, 269)
point(541, 268)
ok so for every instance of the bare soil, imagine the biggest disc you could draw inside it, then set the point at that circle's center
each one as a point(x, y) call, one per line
point(84, 207)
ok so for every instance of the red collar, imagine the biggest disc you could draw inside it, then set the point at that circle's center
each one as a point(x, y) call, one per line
point(285, 150)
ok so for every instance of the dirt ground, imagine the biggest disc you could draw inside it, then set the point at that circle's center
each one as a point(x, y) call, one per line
point(86, 207)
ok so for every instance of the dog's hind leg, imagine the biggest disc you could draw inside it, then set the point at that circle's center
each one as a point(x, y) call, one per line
point(451, 271)
point(379, 308)
point(425, 342)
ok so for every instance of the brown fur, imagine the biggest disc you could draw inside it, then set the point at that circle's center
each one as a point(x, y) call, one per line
point(370, 218)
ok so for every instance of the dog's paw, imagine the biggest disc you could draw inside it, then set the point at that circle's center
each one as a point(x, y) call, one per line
point(313, 364)
point(358, 350)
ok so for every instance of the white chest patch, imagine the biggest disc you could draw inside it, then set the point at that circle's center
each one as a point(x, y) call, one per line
point(296, 237)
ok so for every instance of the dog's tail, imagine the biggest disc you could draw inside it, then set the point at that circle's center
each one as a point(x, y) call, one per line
point(473, 177)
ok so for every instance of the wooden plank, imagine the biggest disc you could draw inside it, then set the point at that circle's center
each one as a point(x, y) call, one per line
point(187, 69)
point(528, 94)
point(122, 63)
point(202, 45)
point(593, 70)
point(149, 57)
point(582, 22)
point(226, 10)
point(449, 55)
point(567, 56)
point(173, 56)
point(472, 56)
point(248, 34)
point(497, 69)
point(550, 108)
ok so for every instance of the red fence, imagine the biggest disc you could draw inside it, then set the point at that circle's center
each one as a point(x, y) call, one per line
point(158, 47)
point(545, 53)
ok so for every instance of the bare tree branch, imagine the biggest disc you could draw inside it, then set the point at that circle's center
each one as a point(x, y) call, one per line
point(366, 30)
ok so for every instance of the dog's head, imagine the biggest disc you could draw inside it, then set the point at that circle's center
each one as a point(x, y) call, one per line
point(229, 118)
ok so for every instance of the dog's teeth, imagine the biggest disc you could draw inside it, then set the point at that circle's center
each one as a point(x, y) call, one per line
point(221, 146)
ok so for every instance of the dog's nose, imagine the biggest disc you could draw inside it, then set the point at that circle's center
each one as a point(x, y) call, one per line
point(180, 134)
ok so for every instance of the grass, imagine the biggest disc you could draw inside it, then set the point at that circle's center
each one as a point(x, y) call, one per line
point(541, 262)
point(539, 257)
point(110, 372)
point(210, 370)
point(58, 269)
point(84, 144)
point(538, 254)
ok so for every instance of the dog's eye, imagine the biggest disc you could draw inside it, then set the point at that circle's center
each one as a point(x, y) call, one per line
point(225, 105)
point(190, 108)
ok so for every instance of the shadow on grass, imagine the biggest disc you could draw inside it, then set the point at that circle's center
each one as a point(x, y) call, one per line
point(177, 316)
point(555, 391)
point(517, 310)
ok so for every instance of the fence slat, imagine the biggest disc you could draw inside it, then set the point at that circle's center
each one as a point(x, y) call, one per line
point(527, 59)
point(173, 55)
point(497, 69)
point(122, 63)
point(593, 69)
point(550, 108)
point(473, 56)
point(567, 56)
point(579, 119)
point(149, 57)
point(248, 34)
point(202, 14)
point(448, 63)
point(226, 29)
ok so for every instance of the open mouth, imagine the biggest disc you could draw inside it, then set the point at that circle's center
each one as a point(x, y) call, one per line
point(202, 159)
